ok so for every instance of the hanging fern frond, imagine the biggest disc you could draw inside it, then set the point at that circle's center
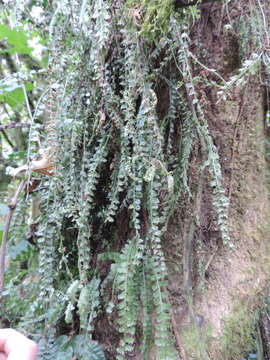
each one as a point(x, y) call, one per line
point(127, 279)
point(210, 153)
point(88, 303)
point(164, 346)
point(250, 67)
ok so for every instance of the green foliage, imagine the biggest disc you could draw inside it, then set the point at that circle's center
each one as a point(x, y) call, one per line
point(21, 277)
point(121, 168)
point(11, 91)
point(64, 348)
point(88, 303)
point(20, 293)
point(127, 281)
point(17, 40)
point(155, 16)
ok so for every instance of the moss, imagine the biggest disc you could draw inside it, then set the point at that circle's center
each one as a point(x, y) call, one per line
point(196, 341)
point(154, 16)
point(239, 332)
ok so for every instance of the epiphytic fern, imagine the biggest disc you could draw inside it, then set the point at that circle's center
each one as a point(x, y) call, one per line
point(211, 156)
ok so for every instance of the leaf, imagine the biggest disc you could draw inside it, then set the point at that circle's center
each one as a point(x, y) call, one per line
point(17, 155)
point(17, 38)
point(65, 355)
point(11, 91)
point(43, 166)
point(85, 349)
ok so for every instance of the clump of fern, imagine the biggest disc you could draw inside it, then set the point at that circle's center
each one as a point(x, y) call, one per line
point(116, 156)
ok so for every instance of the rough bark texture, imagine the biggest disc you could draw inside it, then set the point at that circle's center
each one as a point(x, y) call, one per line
point(234, 277)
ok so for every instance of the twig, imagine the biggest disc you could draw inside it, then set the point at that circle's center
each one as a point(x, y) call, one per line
point(12, 207)
point(210, 259)
point(12, 125)
point(182, 3)
point(8, 139)
point(15, 115)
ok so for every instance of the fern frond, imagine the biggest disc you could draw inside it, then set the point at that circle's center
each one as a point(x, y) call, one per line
point(221, 202)
point(128, 279)
point(250, 67)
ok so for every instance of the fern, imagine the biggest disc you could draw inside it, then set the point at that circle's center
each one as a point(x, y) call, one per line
point(88, 303)
point(47, 242)
point(221, 202)
point(119, 179)
point(87, 196)
point(148, 308)
point(250, 67)
point(127, 281)
point(157, 263)
point(64, 348)
point(118, 158)
point(102, 19)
